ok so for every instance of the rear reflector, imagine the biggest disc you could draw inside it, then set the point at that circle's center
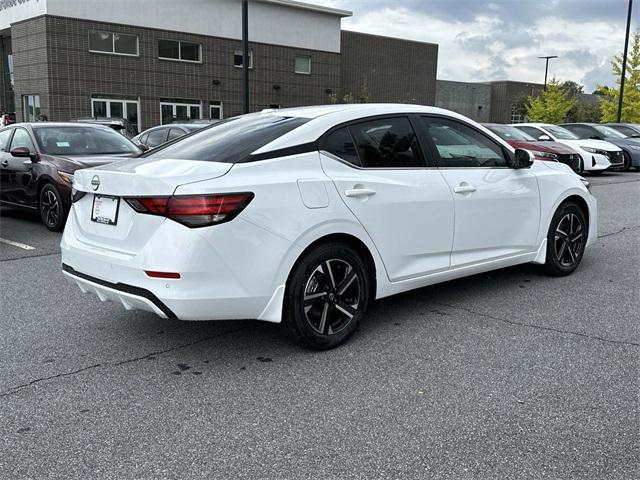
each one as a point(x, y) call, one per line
point(194, 210)
point(153, 274)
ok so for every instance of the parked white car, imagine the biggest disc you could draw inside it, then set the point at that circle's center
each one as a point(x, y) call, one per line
point(597, 155)
point(306, 215)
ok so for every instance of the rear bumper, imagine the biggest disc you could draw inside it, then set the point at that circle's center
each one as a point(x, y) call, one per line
point(131, 298)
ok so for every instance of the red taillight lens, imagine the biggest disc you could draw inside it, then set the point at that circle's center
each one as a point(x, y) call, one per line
point(194, 210)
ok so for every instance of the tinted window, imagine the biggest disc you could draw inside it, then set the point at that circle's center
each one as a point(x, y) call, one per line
point(386, 143)
point(230, 141)
point(459, 145)
point(561, 133)
point(22, 139)
point(4, 138)
point(534, 132)
point(608, 131)
point(581, 131)
point(507, 132)
point(175, 133)
point(625, 130)
point(340, 144)
point(82, 141)
point(156, 137)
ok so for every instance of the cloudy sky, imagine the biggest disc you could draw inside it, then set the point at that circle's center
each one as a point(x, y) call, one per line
point(483, 40)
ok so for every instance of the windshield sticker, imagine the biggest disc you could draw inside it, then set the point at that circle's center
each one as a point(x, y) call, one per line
point(62, 144)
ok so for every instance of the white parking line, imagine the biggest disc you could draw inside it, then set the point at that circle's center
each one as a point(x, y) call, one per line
point(17, 244)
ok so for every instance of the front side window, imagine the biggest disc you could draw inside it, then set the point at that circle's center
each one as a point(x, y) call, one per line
point(230, 141)
point(386, 143)
point(302, 65)
point(22, 139)
point(115, 43)
point(178, 50)
point(608, 131)
point(531, 131)
point(175, 133)
point(156, 137)
point(507, 132)
point(82, 141)
point(581, 131)
point(626, 131)
point(459, 145)
point(238, 56)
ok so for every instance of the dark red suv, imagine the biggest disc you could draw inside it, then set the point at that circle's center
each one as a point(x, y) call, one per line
point(550, 151)
point(37, 162)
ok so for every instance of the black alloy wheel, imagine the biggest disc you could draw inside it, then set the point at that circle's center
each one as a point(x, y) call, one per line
point(52, 210)
point(566, 240)
point(327, 295)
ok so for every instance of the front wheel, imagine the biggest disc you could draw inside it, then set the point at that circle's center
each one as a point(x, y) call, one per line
point(627, 162)
point(326, 296)
point(566, 240)
point(52, 211)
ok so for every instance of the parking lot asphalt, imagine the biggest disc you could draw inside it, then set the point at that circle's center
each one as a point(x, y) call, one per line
point(508, 374)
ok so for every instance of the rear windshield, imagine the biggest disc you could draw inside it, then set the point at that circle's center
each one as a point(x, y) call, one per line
point(230, 141)
point(76, 140)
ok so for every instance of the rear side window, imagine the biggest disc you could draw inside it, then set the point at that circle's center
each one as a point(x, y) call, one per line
point(4, 138)
point(156, 137)
point(175, 133)
point(340, 144)
point(230, 141)
point(386, 143)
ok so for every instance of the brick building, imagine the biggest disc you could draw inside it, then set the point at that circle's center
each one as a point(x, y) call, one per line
point(153, 61)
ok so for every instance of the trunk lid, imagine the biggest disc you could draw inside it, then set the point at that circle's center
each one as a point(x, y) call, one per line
point(143, 177)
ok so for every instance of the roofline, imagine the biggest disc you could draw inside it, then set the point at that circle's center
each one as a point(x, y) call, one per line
point(308, 6)
point(408, 40)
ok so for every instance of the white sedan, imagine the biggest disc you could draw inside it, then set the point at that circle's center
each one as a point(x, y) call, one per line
point(597, 155)
point(306, 215)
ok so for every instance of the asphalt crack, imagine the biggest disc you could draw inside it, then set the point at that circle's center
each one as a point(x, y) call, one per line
point(18, 388)
point(22, 257)
point(540, 327)
point(622, 230)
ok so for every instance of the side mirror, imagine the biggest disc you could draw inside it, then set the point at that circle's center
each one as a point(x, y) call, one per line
point(544, 138)
point(522, 159)
point(596, 137)
point(143, 147)
point(24, 152)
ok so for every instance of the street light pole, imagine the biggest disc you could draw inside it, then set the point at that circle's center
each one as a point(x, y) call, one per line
point(546, 68)
point(245, 55)
point(624, 61)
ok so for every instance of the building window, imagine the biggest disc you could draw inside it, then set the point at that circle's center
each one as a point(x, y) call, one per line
point(31, 107)
point(517, 117)
point(116, 108)
point(274, 105)
point(215, 110)
point(237, 58)
point(181, 51)
point(114, 43)
point(302, 65)
point(179, 110)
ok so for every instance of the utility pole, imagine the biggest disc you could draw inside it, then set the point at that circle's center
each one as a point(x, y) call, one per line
point(546, 68)
point(245, 54)
point(624, 61)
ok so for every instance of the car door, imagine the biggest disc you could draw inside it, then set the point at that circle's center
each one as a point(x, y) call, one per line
point(18, 170)
point(5, 137)
point(406, 208)
point(497, 208)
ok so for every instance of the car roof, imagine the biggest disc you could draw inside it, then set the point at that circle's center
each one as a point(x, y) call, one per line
point(58, 124)
point(324, 117)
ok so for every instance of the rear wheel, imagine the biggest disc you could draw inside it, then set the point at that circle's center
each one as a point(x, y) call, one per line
point(566, 240)
point(52, 211)
point(326, 297)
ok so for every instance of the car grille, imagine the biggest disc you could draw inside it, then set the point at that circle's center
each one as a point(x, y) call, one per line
point(616, 158)
point(573, 160)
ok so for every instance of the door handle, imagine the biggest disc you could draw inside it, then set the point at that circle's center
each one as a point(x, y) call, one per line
point(359, 192)
point(464, 187)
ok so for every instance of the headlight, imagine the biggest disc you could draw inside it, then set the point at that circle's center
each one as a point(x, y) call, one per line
point(589, 149)
point(544, 155)
point(586, 183)
point(67, 177)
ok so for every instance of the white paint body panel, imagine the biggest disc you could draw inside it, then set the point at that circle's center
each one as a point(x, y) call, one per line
point(416, 228)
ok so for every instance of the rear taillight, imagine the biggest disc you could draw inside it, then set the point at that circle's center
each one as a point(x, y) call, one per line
point(194, 210)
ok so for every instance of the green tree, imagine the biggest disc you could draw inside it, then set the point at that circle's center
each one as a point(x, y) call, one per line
point(551, 105)
point(631, 100)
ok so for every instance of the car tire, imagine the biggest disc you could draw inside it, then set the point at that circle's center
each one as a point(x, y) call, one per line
point(326, 296)
point(566, 240)
point(627, 162)
point(51, 208)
